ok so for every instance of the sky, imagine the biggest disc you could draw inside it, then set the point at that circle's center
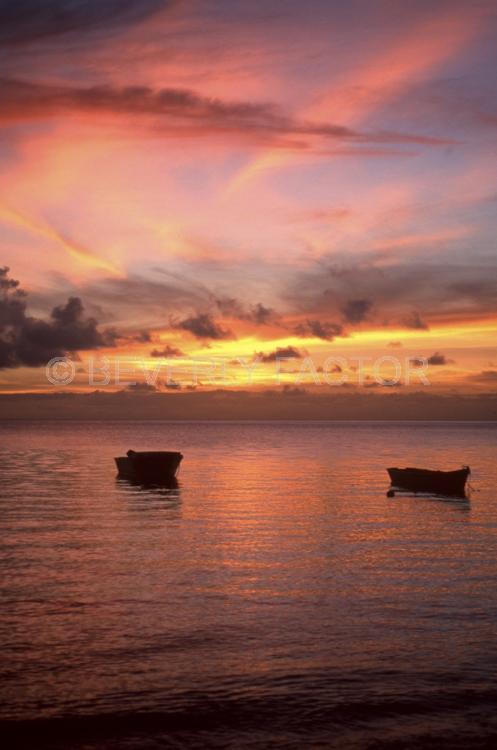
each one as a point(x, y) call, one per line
point(248, 194)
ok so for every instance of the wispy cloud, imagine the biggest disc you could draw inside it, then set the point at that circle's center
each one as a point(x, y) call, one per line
point(26, 21)
point(355, 95)
point(184, 113)
point(77, 251)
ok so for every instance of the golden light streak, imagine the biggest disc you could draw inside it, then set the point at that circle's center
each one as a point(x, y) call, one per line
point(81, 254)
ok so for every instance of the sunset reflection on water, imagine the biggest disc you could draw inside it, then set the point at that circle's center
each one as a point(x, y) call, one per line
point(276, 596)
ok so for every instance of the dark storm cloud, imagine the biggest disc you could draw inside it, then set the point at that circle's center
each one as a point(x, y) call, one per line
point(164, 301)
point(27, 21)
point(319, 329)
point(356, 310)
point(25, 340)
point(203, 326)
point(444, 288)
point(281, 353)
point(167, 352)
point(179, 112)
point(258, 314)
point(261, 315)
point(415, 322)
point(230, 307)
point(439, 359)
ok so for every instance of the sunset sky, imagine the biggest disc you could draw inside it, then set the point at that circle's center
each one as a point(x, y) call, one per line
point(215, 179)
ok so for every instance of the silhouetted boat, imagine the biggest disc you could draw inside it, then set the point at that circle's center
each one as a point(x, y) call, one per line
point(450, 483)
point(158, 467)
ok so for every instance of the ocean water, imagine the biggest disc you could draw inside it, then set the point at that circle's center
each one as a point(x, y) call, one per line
point(275, 599)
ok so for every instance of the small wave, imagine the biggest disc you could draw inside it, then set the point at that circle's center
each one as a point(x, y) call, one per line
point(302, 716)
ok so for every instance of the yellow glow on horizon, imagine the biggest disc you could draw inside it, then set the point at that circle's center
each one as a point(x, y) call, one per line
point(248, 347)
point(443, 331)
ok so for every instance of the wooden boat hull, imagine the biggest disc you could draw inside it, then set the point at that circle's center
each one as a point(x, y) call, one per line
point(149, 467)
point(449, 483)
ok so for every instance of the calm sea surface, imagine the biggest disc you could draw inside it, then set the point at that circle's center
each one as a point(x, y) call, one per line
point(276, 599)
